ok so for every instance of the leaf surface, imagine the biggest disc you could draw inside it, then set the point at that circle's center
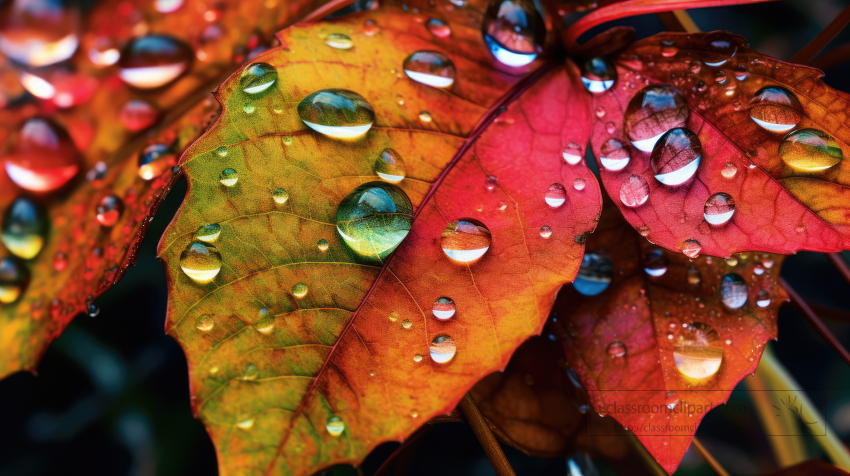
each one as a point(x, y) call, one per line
point(780, 205)
point(647, 342)
point(356, 345)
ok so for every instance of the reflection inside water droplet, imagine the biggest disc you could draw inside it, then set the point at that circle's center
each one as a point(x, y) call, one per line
point(443, 349)
point(431, 68)
point(513, 31)
point(719, 208)
point(698, 351)
point(676, 156)
point(556, 195)
point(204, 323)
point(810, 150)
point(652, 112)
point(444, 308)
point(337, 113)
point(390, 166)
point(24, 228)
point(200, 262)
point(598, 75)
point(374, 219)
point(733, 291)
point(299, 290)
point(634, 191)
point(594, 275)
point(257, 79)
point(465, 240)
point(775, 109)
point(280, 196)
point(655, 263)
point(339, 41)
point(335, 426)
point(208, 233)
point(614, 155)
point(14, 278)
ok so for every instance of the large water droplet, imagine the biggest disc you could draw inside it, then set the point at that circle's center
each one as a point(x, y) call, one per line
point(676, 156)
point(152, 61)
point(775, 109)
point(733, 291)
point(257, 79)
point(655, 263)
point(41, 156)
point(335, 425)
point(431, 68)
point(614, 155)
point(38, 32)
point(573, 153)
point(598, 75)
point(109, 210)
point(155, 160)
point(652, 112)
point(201, 262)
point(339, 41)
point(208, 233)
point(810, 150)
point(443, 349)
point(513, 31)
point(556, 195)
point(465, 240)
point(24, 228)
point(205, 323)
point(13, 280)
point(616, 349)
point(438, 28)
point(444, 308)
point(228, 177)
point(719, 209)
point(698, 351)
point(390, 166)
point(594, 275)
point(634, 191)
point(337, 113)
point(729, 170)
point(374, 219)
point(718, 47)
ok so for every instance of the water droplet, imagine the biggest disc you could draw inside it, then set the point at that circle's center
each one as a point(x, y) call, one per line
point(578, 184)
point(257, 79)
point(616, 349)
point(24, 228)
point(614, 155)
point(438, 28)
point(246, 424)
point(444, 308)
point(335, 426)
point(201, 262)
point(545, 231)
point(443, 349)
point(60, 261)
point(152, 61)
point(598, 75)
point(280, 196)
point(694, 276)
point(425, 116)
point(718, 47)
point(370, 28)
point(208, 233)
point(644, 231)
point(733, 291)
point(167, 6)
point(763, 299)
point(671, 400)
point(573, 153)
point(669, 49)
point(414, 414)
point(490, 183)
point(514, 31)
point(249, 108)
point(221, 151)
point(374, 219)
point(430, 68)
point(600, 112)
point(323, 245)
point(337, 113)
point(155, 160)
point(767, 262)
point(390, 166)
point(698, 351)
point(417, 358)
point(299, 290)
point(339, 41)
point(676, 156)
point(594, 275)
point(729, 170)
point(13, 280)
point(775, 109)
point(810, 150)
point(205, 323)
point(610, 128)
point(137, 115)
point(719, 208)
point(691, 248)
point(228, 177)
point(38, 33)
point(720, 77)
point(655, 263)
point(732, 261)
point(653, 111)
point(41, 156)
point(109, 210)
point(634, 191)
point(265, 322)
point(465, 240)
point(406, 324)
point(556, 195)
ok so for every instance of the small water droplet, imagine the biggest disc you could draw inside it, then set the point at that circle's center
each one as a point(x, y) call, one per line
point(719, 209)
point(280, 196)
point(810, 150)
point(653, 111)
point(323, 245)
point(390, 166)
point(610, 128)
point(616, 349)
point(137, 115)
point(698, 352)
point(600, 112)
point(299, 290)
point(514, 31)
point(775, 109)
point(205, 323)
point(443, 349)
point(718, 47)
point(720, 77)
point(406, 324)
point(691, 248)
point(109, 210)
point(598, 75)
point(200, 262)
point(763, 299)
point(431, 68)
point(733, 291)
point(245, 424)
point(14, 278)
point(221, 151)
point(257, 79)
point(152, 61)
point(24, 228)
point(465, 240)
point(251, 372)
point(655, 263)
point(444, 308)
point(208, 233)
point(490, 183)
point(694, 275)
point(729, 170)
point(676, 156)
point(60, 261)
point(438, 28)
point(545, 231)
point(573, 153)
point(634, 191)
point(614, 155)
point(669, 49)
point(594, 274)
point(374, 219)
point(155, 160)
point(556, 195)
point(249, 108)
point(425, 116)
point(228, 177)
point(339, 41)
point(335, 426)
point(370, 28)
point(414, 414)
point(417, 358)
point(39, 33)
point(337, 113)
point(265, 322)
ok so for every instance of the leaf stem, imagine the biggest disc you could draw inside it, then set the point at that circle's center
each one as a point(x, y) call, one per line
point(485, 437)
point(814, 321)
point(815, 46)
point(782, 432)
point(715, 465)
point(651, 463)
point(406, 446)
point(777, 378)
point(832, 58)
point(840, 265)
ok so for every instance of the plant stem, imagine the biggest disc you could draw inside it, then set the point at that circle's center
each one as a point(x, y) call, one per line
point(824, 37)
point(653, 466)
point(788, 450)
point(777, 378)
point(814, 321)
point(408, 445)
point(485, 437)
point(832, 58)
point(840, 265)
point(708, 458)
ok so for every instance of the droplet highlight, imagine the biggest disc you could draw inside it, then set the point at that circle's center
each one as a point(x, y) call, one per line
point(598, 75)
point(390, 166)
point(733, 291)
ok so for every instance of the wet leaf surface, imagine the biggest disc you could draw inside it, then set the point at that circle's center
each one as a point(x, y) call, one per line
point(776, 152)
point(304, 352)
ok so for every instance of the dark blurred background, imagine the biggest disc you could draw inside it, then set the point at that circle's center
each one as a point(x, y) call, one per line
point(111, 396)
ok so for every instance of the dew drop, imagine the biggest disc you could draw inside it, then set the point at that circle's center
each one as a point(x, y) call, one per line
point(655, 263)
point(425, 116)
point(417, 358)
point(167, 6)
point(644, 231)
point(578, 184)
point(265, 323)
point(370, 28)
point(729, 170)
point(676, 156)
point(38, 33)
point(634, 191)
point(490, 183)
point(718, 47)
point(610, 128)
point(594, 275)
point(465, 240)
point(109, 210)
point(406, 324)
point(221, 151)
point(41, 157)
point(208, 233)
point(691, 248)
point(614, 155)
point(13, 280)
point(444, 308)
point(430, 68)
point(323, 245)
point(652, 112)
point(201, 262)
point(228, 177)
point(719, 209)
point(438, 28)
point(137, 115)
point(280, 196)
point(600, 112)
point(775, 109)
point(246, 424)
point(810, 150)
point(335, 425)
point(698, 352)
point(598, 75)
point(299, 290)
point(390, 166)
point(414, 414)
point(556, 195)
point(24, 228)
point(514, 31)
point(257, 79)
point(337, 113)
point(733, 291)
point(545, 231)
point(374, 219)
point(339, 41)
point(248, 108)
point(669, 49)
point(616, 349)
point(443, 349)
point(763, 299)
point(205, 323)
point(694, 275)
point(152, 61)
point(573, 153)
point(155, 160)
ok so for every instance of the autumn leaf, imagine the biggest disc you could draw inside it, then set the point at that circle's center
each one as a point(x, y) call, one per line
point(79, 189)
point(309, 343)
point(649, 331)
point(753, 157)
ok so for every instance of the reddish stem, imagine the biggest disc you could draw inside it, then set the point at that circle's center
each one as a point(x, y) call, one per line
point(485, 437)
point(711, 460)
point(326, 10)
point(814, 321)
point(824, 37)
point(630, 8)
point(840, 265)
point(832, 58)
